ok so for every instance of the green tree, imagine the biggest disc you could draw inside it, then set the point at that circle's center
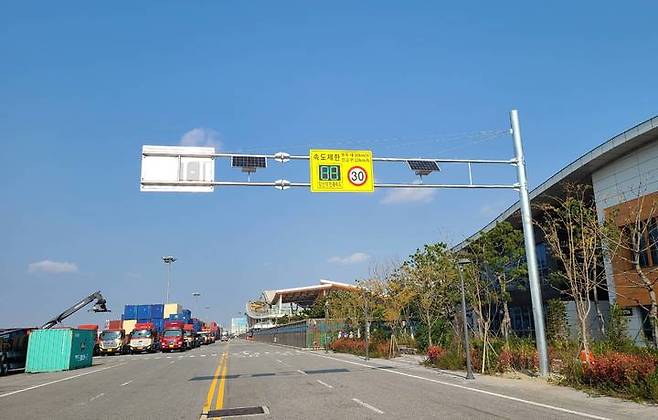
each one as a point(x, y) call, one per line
point(432, 275)
point(501, 257)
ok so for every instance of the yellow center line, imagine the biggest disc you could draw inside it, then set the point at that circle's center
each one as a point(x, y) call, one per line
point(222, 383)
point(213, 384)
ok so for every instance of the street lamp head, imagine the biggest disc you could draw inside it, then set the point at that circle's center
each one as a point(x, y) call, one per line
point(168, 259)
point(196, 294)
point(463, 261)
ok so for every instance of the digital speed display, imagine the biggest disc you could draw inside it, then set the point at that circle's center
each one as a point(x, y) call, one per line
point(329, 172)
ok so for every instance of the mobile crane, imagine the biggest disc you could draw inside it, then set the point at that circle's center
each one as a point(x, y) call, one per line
point(13, 341)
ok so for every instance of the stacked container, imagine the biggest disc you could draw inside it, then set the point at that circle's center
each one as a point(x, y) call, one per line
point(171, 308)
point(154, 313)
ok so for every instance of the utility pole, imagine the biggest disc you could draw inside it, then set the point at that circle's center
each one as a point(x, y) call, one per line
point(530, 252)
point(168, 260)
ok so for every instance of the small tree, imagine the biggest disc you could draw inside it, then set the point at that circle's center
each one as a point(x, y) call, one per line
point(557, 328)
point(573, 233)
point(501, 256)
point(433, 278)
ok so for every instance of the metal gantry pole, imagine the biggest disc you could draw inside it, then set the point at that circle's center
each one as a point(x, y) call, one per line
point(531, 256)
point(467, 347)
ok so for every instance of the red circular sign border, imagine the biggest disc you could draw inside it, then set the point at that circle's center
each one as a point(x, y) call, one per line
point(364, 171)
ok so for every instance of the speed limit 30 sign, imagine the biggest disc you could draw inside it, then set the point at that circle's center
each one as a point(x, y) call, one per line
point(341, 171)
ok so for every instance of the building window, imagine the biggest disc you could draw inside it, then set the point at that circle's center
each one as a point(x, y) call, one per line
point(653, 240)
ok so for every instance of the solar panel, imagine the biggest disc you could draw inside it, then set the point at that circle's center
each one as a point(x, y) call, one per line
point(246, 161)
point(423, 165)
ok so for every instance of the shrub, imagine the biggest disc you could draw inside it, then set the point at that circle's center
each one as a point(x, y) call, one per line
point(349, 345)
point(434, 353)
point(619, 369)
point(358, 347)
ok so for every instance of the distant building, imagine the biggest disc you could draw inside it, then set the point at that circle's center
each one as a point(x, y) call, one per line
point(238, 325)
point(619, 171)
point(275, 304)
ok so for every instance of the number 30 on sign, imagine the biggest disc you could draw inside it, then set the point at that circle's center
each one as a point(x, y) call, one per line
point(341, 171)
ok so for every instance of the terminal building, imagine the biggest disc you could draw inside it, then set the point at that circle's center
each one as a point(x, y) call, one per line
point(621, 172)
point(275, 304)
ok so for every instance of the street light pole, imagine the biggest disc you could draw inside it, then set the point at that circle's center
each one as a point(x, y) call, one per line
point(196, 295)
point(467, 347)
point(168, 260)
point(326, 325)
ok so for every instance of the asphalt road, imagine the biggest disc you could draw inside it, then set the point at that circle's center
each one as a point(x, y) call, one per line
point(288, 384)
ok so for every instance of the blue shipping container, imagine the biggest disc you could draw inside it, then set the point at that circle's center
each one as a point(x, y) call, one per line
point(157, 311)
point(130, 312)
point(142, 320)
point(159, 324)
point(179, 317)
point(143, 311)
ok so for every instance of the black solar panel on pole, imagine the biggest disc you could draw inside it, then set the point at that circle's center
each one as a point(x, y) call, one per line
point(247, 161)
point(423, 167)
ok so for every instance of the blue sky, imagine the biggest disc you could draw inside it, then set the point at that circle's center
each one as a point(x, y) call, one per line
point(83, 86)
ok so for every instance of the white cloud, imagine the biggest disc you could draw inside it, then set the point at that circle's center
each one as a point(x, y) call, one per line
point(408, 195)
point(47, 266)
point(355, 258)
point(201, 137)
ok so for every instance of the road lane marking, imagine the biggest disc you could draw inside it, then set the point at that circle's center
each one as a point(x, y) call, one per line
point(203, 355)
point(481, 391)
point(222, 383)
point(213, 385)
point(368, 406)
point(59, 380)
point(96, 397)
point(173, 361)
point(325, 384)
point(302, 372)
point(126, 383)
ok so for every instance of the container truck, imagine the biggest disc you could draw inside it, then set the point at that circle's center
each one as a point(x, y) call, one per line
point(13, 349)
point(173, 337)
point(144, 338)
point(191, 337)
point(113, 342)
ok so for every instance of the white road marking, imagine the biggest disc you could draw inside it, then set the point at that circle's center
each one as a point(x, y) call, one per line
point(214, 354)
point(279, 361)
point(59, 380)
point(368, 406)
point(325, 384)
point(156, 358)
point(126, 383)
point(173, 361)
point(191, 355)
point(302, 372)
point(203, 355)
point(481, 391)
point(96, 397)
point(168, 357)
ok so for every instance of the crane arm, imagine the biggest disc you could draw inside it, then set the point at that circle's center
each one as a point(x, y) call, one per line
point(98, 307)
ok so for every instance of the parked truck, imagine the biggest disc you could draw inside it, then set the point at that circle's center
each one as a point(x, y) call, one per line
point(144, 338)
point(113, 342)
point(173, 337)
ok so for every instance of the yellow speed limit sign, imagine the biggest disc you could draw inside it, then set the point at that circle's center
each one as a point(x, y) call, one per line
point(341, 171)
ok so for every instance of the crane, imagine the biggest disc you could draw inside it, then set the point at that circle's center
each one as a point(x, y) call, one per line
point(100, 306)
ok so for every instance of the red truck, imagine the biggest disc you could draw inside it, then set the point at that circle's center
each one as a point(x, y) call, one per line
point(144, 338)
point(173, 337)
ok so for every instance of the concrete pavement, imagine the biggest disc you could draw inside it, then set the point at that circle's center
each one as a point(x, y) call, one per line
point(289, 384)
